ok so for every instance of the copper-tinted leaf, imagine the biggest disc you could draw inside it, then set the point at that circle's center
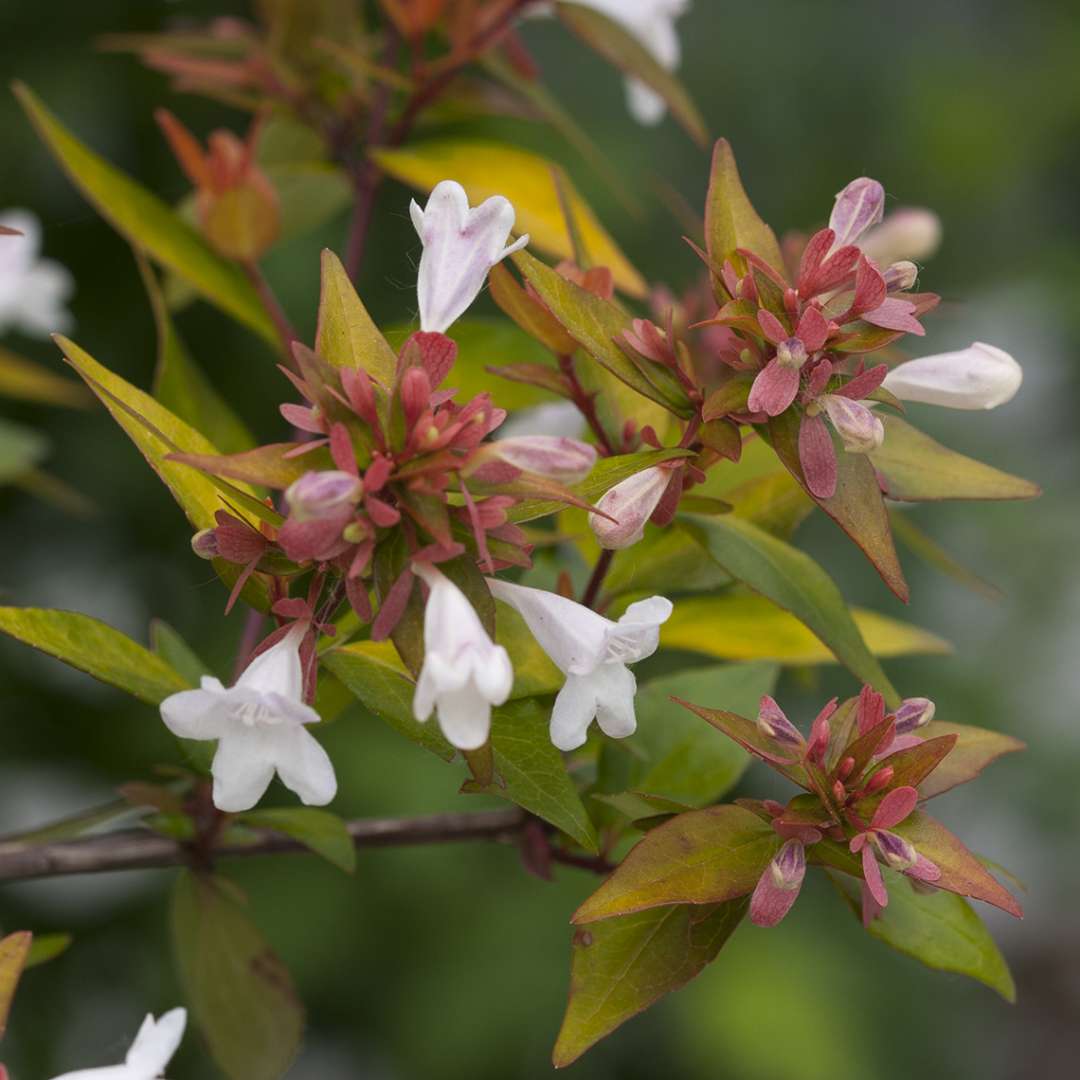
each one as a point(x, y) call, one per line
point(975, 749)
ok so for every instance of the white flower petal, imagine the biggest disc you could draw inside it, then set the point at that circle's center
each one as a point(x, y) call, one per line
point(304, 766)
point(637, 634)
point(614, 686)
point(628, 506)
point(465, 718)
point(107, 1072)
point(242, 771)
point(574, 710)
point(572, 635)
point(979, 377)
point(156, 1042)
point(277, 670)
point(198, 714)
point(493, 675)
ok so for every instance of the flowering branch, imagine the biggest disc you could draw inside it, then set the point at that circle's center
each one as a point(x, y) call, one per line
point(135, 849)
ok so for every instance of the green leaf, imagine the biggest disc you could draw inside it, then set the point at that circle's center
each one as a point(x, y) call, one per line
point(744, 626)
point(619, 967)
point(703, 857)
point(14, 950)
point(265, 466)
point(27, 381)
point(961, 872)
point(793, 580)
point(595, 324)
point(530, 772)
point(21, 448)
point(158, 433)
point(373, 672)
point(939, 929)
point(731, 221)
point(606, 473)
point(176, 652)
point(975, 749)
point(96, 648)
point(664, 556)
point(918, 469)
point(181, 386)
point(684, 759)
point(857, 506)
point(621, 48)
point(46, 947)
point(931, 552)
point(323, 832)
point(346, 335)
point(240, 993)
point(486, 168)
point(148, 223)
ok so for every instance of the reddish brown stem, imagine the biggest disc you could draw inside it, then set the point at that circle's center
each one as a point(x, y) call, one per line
point(286, 334)
point(592, 590)
point(586, 404)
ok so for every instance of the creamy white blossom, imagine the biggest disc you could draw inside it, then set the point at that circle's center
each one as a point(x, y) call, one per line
point(978, 377)
point(628, 507)
point(652, 22)
point(464, 671)
point(33, 291)
point(152, 1050)
point(260, 724)
point(555, 456)
point(592, 652)
point(911, 233)
point(461, 245)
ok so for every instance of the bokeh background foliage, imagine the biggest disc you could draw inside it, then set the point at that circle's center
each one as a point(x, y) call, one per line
point(447, 962)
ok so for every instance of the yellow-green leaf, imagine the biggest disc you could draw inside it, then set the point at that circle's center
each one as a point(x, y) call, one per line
point(21, 448)
point(149, 223)
point(323, 832)
point(346, 335)
point(918, 469)
point(239, 992)
point(157, 433)
point(486, 168)
point(731, 221)
point(14, 950)
point(619, 967)
point(744, 626)
point(96, 648)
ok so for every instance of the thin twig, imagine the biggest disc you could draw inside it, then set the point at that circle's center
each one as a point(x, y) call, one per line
point(134, 849)
point(286, 334)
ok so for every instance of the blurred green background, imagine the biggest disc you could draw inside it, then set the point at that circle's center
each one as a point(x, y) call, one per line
point(442, 963)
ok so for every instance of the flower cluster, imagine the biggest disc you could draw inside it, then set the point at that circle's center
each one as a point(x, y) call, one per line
point(867, 772)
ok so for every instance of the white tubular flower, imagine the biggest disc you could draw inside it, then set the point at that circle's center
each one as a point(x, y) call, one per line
point(652, 22)
point(260, 727)
point(33, 291)
point(562, 459)
point(630, 504)
point(464, 671)
point(592, 652)
point(461, 245)
point(978, 377)
point(152, 1050)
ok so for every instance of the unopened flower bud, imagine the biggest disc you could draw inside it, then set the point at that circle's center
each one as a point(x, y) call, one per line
point(839, 792)
point(882, 778)
point(204, 544)
point(979, 377)
point(913, 713)
point(788, 867)
point(323, 494)
point(845, 768)
point(858, 207)
point(791, 353)
point(901, 276)
point(562, 459)
point(629, 505)
point(909, 233)
point(774, 724)
point(896, 851)
point(859, 429)
point(355, 532)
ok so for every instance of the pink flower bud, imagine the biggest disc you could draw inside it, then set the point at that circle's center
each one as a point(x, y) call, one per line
point(791, 353)
point(901, 276)
point(629, 505)
point(896, 851)
point(860, 430)
point(774, 724)
point(859, 206)
point(789, 866)
point(562, 459)
point(913, 713)
point(323, 494)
